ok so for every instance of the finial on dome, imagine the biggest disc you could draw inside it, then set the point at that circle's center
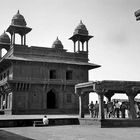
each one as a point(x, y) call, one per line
point(18, 12)
point(81, 22)
point(57, 38)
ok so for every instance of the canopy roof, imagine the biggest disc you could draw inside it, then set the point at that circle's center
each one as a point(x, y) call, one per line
point(109, 86)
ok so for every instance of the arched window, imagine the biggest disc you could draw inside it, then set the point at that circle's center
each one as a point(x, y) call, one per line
point(51, 100)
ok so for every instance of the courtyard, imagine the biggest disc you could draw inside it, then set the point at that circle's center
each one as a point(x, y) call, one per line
point(69, 132)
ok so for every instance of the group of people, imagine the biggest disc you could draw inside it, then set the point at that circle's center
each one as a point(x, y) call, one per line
point(94, 109)
point(113, 109)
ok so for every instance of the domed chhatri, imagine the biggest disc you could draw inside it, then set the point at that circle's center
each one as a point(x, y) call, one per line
point(81, 29)
point(81, 36)
point(4, 38)
point(18, 26)
point(57, 44)
point(18, 19)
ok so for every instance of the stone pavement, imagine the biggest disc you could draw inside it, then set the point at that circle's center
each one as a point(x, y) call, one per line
point(74, 132)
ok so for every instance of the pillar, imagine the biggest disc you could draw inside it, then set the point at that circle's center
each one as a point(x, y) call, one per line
point(81, 106)
point(13, 38)
point(101, 105)
point(132, 112)
point(0, 53)
point(21, 39)
point(24, 39)
point(74, 47)
point(78, 45)
point(87, 45)
point(82, 46)
point(108, 95)
point(10, 99)
point(1, 101)
point(5, 100)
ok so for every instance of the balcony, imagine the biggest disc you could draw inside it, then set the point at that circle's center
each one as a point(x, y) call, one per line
point(45, 81)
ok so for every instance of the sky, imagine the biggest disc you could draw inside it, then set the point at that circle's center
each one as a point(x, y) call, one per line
point(115, 45)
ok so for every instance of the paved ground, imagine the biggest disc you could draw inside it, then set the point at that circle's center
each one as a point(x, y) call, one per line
point(70, 132)
point(67, 132)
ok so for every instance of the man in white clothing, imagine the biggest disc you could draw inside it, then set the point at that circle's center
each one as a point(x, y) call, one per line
point(45, 120)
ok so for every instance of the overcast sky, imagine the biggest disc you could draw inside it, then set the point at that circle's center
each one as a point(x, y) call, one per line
point(116, 42)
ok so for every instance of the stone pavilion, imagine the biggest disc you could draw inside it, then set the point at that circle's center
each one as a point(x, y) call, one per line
point(38, 80)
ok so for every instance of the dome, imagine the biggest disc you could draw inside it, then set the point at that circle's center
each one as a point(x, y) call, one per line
point(57, 44)
point(81, 29)
point(4, 38)
point(18, 19)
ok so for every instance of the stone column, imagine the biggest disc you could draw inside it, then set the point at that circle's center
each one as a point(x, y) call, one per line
point(132, 112)
point(10, 100)
point(108, 95)
point(1, 101)
point(13, 38)
point(101, 105)
point(82, 46)
point(24, 39)
point(87, 45)
point(21, 39)
point(5, 100)
point(74, 47)
point(78, 45)
point(81, 106)
point(0, 53)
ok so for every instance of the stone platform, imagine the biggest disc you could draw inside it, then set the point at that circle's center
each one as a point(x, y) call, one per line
point(28, 120)
point(107, 123)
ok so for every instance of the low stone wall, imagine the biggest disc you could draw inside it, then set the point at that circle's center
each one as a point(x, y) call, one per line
point(17, 122)
point(108, 123)
point(30, 122)
point(90, 121)
point(120, 123)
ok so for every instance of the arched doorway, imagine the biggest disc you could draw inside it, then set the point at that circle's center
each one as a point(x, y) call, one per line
point(51, 100)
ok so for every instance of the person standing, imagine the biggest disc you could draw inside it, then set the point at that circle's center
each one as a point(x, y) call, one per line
point(91, 109)
point(136, 108)
point(123, 107)
point(105, 109)
point(117, 109)
point(96, 109)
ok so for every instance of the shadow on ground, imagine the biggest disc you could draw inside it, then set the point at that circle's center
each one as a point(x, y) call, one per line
point(5, 135)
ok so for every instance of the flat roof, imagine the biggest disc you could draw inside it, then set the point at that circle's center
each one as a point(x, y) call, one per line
point(115, 86)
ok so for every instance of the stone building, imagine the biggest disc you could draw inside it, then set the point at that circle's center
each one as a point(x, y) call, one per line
point(36, 80)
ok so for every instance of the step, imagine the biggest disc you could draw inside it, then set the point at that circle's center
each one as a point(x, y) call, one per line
point(39, 123)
